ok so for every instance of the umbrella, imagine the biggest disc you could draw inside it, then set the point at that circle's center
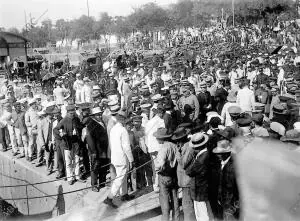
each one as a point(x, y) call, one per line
point(49, 76)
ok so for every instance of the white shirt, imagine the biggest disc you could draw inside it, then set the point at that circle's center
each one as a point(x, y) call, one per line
point(151, 127)
point(224, 162)
point(245, 99)
point(225, 114)
point(280, 76)
point(59, 94)
point(120, 145)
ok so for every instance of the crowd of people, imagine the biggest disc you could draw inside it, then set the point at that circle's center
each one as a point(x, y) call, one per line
point(172, 118)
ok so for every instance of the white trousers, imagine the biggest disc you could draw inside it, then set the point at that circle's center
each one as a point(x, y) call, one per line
point(72, 164)
point(12, 136)
point(22, 141)
point(201, 210)
point(119, 184)
point(155, 173)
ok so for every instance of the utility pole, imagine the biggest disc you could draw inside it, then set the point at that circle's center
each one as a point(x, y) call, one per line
point(233, 13)
point(88, 7)
point(25, 21)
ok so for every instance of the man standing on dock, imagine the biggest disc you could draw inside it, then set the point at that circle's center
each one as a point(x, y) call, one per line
point(121, 158)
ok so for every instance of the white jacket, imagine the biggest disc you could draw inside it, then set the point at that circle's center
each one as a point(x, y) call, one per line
point(120, 145)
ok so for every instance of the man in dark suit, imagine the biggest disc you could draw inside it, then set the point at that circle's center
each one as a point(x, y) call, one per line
point(160, 83)
point(97, 143)
point(69, 129)
point(221, 95)
point(170, 117)
point(224, 194)
point(204, 100)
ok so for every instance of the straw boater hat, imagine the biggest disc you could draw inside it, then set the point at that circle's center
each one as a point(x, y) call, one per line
point(198, 140)
point(180, 133)
point(114, 109)
point(291, 135)
point(95, 111)
point(231, 97)
point(162, 133)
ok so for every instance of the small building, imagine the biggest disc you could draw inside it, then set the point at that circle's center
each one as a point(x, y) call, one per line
point(12, 46)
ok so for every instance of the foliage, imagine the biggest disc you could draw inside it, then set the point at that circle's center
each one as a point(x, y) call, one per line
point(152, 17)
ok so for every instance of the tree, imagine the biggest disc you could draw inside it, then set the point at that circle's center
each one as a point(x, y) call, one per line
point(14, 30)
point(82, 28)
point(122, 27)
point(149, 17)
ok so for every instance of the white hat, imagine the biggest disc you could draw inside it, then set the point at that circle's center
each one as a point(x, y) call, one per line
point(212, 114)
point(23, 100)
point(32, 101)
point(198, 140)
point(37, 96)
point(41, 113)
point(297, 126)
point(96, 87)
point(278, 128)
point(156, 97)
point(112, 103)
point(96, 110)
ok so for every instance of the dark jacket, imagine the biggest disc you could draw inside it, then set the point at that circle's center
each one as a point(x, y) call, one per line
point(68, 125)
point(170, 122)
point(220, 98)
point(96, 138)
point(223, 185)
point(204, 100)
point(198, 169)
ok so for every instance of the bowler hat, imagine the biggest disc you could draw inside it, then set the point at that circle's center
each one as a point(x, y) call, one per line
point(180, 133)
point(162, 133)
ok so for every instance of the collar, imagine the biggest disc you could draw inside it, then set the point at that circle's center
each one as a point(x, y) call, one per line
point(224, 162)
point(201, 152)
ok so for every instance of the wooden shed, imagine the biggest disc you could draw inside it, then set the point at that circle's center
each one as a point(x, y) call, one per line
point(12, 46)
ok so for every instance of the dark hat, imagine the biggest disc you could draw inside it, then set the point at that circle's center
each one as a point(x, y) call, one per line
point(244, 122)
point(137, 119)
point(228, 133)
point(162, 133)
point(70, 107)
point(258, 118)
point(180, 133)
point(52, 110)
point(83, 106)
point(185, 125)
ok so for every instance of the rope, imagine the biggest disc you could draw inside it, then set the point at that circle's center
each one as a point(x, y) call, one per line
point(50, 181)
point(43, 182)
point(74, 191)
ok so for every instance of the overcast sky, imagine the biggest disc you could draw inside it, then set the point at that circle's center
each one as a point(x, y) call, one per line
point(12, 11)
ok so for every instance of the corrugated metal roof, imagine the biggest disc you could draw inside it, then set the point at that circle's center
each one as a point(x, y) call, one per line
point(12, 38)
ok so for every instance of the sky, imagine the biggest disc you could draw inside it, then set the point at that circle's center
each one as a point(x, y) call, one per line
point(12, 12)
